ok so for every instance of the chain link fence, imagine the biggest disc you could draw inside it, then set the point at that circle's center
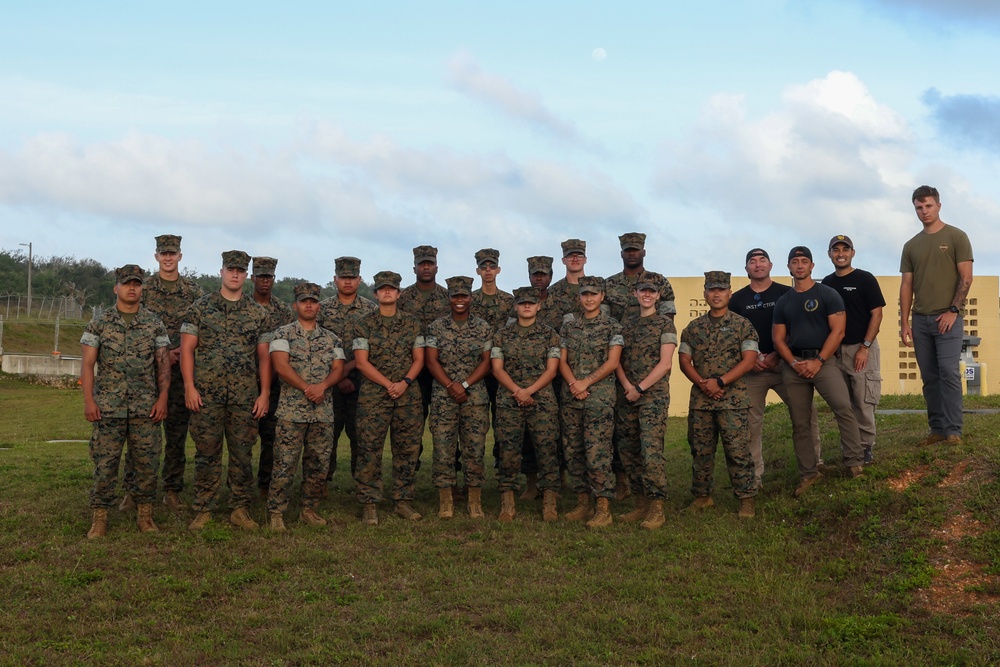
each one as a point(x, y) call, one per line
point(51, 308)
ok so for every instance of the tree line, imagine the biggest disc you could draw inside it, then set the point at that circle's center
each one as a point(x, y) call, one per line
point(91, 283)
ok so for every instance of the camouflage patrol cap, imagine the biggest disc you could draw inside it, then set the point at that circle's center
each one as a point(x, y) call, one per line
point(305, 291)
point(527, 295)
point(235, 259)
point(459, 285)
point(168, 243)
point(386, 279)
point(425, 253)
point(347, 267)
point(650, 280)
point(539, 264)
point(591, 285)
point(633, 241)
point(264, 266)
point(488, 255)
point(128, 273)
point(718, 280)
point(573, 246)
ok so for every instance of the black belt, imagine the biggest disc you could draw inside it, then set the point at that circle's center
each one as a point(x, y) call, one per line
point(807, 353)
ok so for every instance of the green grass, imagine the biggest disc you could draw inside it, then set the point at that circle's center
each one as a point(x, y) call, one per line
point(832, 579)
point(28, 337)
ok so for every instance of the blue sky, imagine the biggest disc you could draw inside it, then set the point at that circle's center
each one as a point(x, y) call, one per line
point(312, 130)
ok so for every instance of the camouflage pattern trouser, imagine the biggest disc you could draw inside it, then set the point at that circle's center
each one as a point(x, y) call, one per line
point(586, 436)
point(405, 426)
point(208, 427)
point(513, 426)
point(175, 433)
point(314, 442)
point(143, 457)
point(266, 430)
point(639, 433)
point(458, 428)
point(705, 427)
point(345, 416)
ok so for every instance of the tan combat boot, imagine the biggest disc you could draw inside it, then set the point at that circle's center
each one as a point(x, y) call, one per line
point(531, 492)
point(127, 504)
point(172, 500)
point(201, 519)
point(241, 518)
point(99, 524)
point(144, 519)
point(622, 490)
point(746, 510)
point(549, 500)
point(640, 511)
point(583, 509)
point(369, 515)
point(277, 522)
point(507, 508)
point(309, 517)
point(406, 511)
point(701, 503)
point(602, 517)
point(476, 503)
point(654, 518)
point(446, 509)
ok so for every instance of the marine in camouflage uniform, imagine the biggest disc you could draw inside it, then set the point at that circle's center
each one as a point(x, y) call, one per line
point(167, 294)
point(337, 314)
point(540, 276)
point(525, 358)
point(564, 294)
point(644, 394)
point(388, 349)
point(278, 315)
point(426, 301)
point(458, 355)
point(310, 361)
point(229, 332)
point(717, 350)
point(495, 306)
point(128, 345)
point(621, 286)
point(591, 347)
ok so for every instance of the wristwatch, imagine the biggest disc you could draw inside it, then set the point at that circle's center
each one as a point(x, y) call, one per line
point(408, 381)
point(821, 359)
point(953, 309)
point(465, 385)
point(867, 344)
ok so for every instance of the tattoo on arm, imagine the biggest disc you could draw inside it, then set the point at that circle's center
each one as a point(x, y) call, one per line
point(961, 291)
point(163, 369)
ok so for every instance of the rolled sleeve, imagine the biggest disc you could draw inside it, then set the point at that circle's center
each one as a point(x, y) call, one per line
point(496, 353)
point(190, 329)
point(90, 340)
point(280, 345)
point(360, 344)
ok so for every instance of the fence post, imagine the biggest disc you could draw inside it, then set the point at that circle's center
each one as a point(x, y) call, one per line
point(55, 348)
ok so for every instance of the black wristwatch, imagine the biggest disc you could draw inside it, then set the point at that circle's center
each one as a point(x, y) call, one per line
point(953, 309)
point(408, 381)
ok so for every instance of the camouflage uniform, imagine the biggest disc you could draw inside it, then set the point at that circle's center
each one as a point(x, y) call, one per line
point(339, 318)
point(460, 347)
point(715, 347)
point(496, 309)
point(304, 428)
point(169, 301)
point(588, 425)
point(641, 427)
point(525, 352)
point(389, 342)
point(125, 389)
point(226, 376)
point(278, 315)
point(620, 294)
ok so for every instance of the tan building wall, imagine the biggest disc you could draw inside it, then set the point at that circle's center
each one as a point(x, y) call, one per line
point(900, 374)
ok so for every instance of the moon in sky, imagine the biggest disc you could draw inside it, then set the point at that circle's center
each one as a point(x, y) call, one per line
point(599, 54)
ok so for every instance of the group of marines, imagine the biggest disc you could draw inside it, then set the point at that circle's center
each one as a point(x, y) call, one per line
point(573, 377)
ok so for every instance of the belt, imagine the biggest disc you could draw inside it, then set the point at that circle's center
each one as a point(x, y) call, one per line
point(806, 353)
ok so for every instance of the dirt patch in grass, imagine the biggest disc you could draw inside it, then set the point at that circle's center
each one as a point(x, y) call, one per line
point(908, 478)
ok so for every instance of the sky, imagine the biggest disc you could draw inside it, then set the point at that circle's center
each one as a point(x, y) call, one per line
point(310, 130)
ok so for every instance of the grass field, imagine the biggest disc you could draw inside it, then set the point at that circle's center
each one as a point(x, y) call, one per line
point(899, 568)
point(30, 337)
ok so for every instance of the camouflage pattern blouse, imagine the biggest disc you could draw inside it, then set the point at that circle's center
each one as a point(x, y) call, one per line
point(525, 352)
point(311, 355)
point(225, 367)
point(390, 342)
point(715, 346)
point(643, 338)
point(587, 342)
point(170, 302)
point(620, 295)
point(495, 309)
point(426, 306)
point(460, 347)
point(125, 383)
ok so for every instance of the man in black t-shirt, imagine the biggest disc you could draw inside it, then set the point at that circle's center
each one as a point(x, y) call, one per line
point(809, 323)
point(858, 357)
point(756, 303)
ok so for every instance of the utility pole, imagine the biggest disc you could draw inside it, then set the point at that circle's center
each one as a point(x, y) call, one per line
point(29, 276)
